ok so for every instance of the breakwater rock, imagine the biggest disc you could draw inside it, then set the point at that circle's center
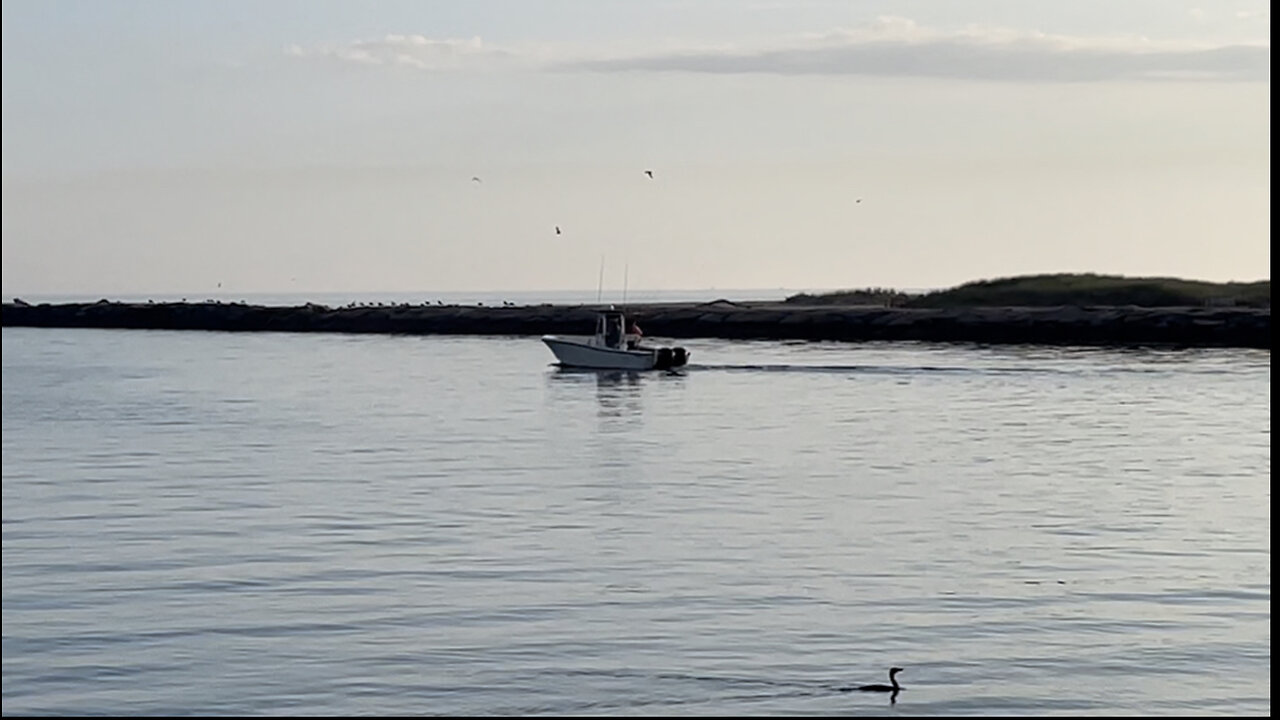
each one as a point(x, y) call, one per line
point(1180, 326)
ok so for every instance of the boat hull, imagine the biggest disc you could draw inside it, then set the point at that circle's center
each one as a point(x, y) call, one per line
point(580, 354)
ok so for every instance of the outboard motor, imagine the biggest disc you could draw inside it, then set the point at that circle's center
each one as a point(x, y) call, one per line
point(664, 359)
point(679, 357)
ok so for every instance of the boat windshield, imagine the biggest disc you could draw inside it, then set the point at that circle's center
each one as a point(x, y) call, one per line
point(613, 331)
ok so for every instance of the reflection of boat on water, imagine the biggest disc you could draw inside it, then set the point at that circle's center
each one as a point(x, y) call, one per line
point(613, 347)
point(619, 393)
point(602, 377)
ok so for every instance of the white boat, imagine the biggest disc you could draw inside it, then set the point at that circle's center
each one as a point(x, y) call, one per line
point(614, 347)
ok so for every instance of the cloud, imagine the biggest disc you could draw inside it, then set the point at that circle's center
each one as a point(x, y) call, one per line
point(411, 51)
point(898, 47)
point(1253, 15)
point(889, 47)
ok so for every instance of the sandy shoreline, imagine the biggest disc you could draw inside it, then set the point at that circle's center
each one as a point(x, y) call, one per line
point(1067, 325)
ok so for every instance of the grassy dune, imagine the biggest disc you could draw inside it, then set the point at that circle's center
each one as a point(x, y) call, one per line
point(1059, 289)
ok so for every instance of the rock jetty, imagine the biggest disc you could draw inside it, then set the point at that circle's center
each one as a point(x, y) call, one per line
point(1067, 325)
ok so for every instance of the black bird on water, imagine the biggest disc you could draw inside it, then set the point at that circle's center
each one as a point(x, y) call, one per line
point(894, 687)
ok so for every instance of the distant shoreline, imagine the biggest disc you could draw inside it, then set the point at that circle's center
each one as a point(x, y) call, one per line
point(1058, 289)
point(1192, 326)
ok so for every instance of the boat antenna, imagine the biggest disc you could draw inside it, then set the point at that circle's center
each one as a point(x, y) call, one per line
point(600, 285)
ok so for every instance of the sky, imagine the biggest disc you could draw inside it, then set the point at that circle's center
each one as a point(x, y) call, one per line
point(395, 145)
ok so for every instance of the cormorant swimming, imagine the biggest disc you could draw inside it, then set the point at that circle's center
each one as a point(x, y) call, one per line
point(877, 687)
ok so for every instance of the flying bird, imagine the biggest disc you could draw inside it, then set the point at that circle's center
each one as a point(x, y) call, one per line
point(557, 229)
point(858, 200)
point(475, 179)
point(649, 173)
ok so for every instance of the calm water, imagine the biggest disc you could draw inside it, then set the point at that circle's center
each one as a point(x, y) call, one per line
point(199, 523)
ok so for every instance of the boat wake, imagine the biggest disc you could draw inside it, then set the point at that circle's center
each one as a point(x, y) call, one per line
point(865, 369)
point(1028, 370)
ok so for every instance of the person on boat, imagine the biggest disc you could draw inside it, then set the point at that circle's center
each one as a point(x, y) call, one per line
point(634, 336)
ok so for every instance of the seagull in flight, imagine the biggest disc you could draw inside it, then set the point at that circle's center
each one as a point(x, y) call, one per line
point(557, 229)
point(649, 173)
point(475, 179)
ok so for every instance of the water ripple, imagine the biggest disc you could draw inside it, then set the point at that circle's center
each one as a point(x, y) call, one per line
point(243, 524)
